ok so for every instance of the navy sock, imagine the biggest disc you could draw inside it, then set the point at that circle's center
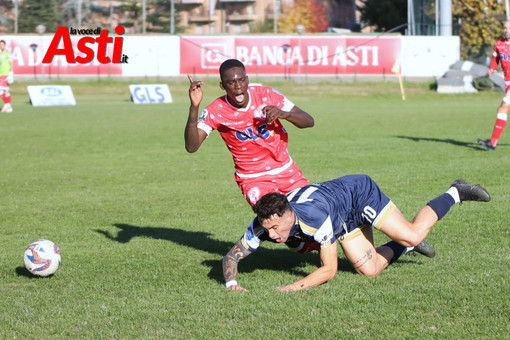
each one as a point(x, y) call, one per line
point(441, 205)
point(397, 248)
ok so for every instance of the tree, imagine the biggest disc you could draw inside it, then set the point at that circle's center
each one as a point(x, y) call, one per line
point(266, 26)
point(39, 12)
point(5, 8)
point(384, 15)
point(159, 17)
point(480, 27)
point(308, 13)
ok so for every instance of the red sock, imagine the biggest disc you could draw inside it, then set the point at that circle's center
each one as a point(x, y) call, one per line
point(6, 97)
point(498, 128)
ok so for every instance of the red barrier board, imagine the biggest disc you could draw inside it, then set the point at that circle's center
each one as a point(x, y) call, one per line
point(292, 54)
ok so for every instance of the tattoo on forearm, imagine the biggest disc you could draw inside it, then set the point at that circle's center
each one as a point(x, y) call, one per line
point(364, 259)
point(236, 254)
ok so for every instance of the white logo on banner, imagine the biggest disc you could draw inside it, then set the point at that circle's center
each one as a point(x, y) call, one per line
point(150, 93)
point(51, 95)
point(213, 55)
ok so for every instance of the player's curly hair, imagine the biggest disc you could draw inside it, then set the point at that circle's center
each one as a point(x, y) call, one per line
point(270, 204)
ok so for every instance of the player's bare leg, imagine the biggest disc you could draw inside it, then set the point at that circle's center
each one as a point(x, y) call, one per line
point(365, 259)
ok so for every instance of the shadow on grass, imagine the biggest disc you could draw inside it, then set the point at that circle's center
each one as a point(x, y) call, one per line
point(22, 271)
point(472, 145)
point(263, 259)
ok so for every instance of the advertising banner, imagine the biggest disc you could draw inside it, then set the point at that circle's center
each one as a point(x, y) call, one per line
point(101, 53)
point(28, 52)
point(292, 54)
point(51, 95)
point(150, 93)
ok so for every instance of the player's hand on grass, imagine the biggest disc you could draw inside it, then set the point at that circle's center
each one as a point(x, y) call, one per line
point(237, 287)
point(288, 288)
point(195, 91)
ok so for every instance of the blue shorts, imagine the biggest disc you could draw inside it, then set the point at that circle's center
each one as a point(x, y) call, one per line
point(350, 201)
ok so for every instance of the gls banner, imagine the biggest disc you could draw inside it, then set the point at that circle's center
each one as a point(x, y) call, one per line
point(150, 93)
point(51, 95)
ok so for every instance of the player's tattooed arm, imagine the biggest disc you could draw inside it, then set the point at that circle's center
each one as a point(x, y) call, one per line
point(234, 255)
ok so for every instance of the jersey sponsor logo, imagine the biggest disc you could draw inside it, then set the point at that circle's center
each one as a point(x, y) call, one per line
point(250, 241)
point(203, 115)
point(254, 195)
point(250, 134)
point(249, 233)
point(504, 56)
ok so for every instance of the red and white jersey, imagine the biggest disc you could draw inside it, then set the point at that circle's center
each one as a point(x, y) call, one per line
point(257, 148)
point(502, 54)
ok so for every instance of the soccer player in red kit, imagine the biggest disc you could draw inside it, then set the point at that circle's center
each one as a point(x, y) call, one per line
point(248, 119)
point(6, 77)
point(501, 55)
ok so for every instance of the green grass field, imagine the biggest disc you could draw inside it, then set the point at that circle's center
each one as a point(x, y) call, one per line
point(143, 225)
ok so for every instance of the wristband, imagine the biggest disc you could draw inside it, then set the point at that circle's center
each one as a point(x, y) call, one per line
point(231, 283)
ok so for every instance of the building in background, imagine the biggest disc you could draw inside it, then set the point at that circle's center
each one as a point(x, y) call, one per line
point(237, 16)
point(194, 16)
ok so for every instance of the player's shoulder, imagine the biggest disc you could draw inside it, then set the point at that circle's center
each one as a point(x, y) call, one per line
point(501, 42)
point(258, 88)
point(217, 105)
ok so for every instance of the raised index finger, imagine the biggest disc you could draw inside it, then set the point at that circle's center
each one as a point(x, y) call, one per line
point(190, 78)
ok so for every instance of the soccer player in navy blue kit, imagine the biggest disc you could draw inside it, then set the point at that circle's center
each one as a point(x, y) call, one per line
point(343, 210)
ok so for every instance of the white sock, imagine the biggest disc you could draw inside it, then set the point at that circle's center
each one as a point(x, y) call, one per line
point(454, 193)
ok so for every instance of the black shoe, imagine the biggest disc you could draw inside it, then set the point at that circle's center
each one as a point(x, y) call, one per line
point(425, 249)
point(471, 192)
point(486, 144)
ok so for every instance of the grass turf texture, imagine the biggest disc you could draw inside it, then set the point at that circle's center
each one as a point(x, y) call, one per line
point(143, 225)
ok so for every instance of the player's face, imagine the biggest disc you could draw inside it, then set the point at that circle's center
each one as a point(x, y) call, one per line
point(506, 29)
point(279, 227)
point(235, 82)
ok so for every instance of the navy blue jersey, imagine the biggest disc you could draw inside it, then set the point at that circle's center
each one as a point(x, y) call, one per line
point(326, 211)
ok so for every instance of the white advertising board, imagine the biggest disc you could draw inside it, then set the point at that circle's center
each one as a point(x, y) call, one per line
point(51, 95)
point(428, 56)
point(150, 93)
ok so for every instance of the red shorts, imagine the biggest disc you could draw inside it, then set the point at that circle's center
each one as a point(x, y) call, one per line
point(3, 81)
point(286, 181)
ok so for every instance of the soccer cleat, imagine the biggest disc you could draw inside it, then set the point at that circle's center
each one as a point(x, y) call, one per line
point(425, 249)
point(470, 192)
point(7, 108)
point(486, 144)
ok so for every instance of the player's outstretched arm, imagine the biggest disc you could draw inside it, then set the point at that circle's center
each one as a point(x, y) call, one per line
point(230, 261)
point(327, 271)
point(296, 116)
point(193, 136)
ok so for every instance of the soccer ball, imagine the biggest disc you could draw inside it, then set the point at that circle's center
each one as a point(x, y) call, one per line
point(42, 258)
